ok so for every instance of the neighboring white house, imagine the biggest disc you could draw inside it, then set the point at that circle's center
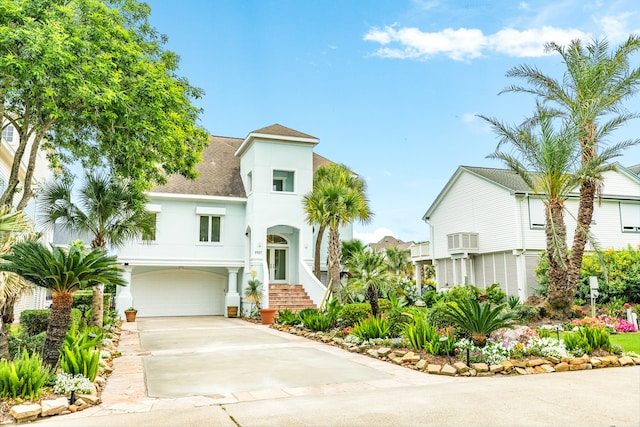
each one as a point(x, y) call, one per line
point(244, 213)
point(487, 226)
point(37, 299)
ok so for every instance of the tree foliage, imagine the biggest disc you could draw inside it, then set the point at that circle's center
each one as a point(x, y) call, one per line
point(90, 81)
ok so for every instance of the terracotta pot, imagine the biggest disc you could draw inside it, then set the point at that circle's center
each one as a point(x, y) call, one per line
point(268, 315)
point(232, 311)
point(131, 315)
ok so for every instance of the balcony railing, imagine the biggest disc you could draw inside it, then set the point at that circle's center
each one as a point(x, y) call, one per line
point(421, 250)
point(462, 242)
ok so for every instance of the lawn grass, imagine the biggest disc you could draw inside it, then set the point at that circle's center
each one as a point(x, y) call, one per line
point(628, 341)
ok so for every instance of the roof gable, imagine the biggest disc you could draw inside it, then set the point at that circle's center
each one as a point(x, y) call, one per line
point(276, 132)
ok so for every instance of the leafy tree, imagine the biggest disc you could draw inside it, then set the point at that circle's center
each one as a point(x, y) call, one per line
point(62, 272)
point(338, 198)
point(90, 81)
point(369, 272)
point(590, 95)
point(112, 212)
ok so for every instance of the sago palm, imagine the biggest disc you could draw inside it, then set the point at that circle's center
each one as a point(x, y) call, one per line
point(62, 272)
point(111, 212)
point(589, 95)
point(478, 319)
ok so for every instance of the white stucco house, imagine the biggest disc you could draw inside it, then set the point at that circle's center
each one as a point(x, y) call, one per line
point(37, 298)
point(244, 213)
point(487, 226)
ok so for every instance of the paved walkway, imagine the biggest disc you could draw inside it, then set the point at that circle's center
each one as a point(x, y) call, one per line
point(228, 372)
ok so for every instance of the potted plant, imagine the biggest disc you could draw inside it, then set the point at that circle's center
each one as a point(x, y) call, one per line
point(253, 294)
point(130, 314)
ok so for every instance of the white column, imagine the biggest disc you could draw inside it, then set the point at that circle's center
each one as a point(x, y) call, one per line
point(418, 275)
point(232, 298)
point(124, 299)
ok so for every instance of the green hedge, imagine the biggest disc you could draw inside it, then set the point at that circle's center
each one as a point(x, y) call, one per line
point(34, 322)
point(350, 314)
point(83, 300)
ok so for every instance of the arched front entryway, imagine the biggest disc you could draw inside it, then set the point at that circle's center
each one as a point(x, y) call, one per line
point(278, 258)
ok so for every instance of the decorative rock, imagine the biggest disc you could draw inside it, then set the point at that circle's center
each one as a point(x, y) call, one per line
point(520, 371)
point(519, 333)
point(54, 407)
point(91, 399)
point(518, 363)
point(547, 368)
point(100, 381)
point(73, 408)
point(538, 369)
point(595, 362)
point(421, 364)
point(384, 351)
point(400, 353)
point(579, 360)
point(613, 360)
point(625, 361)
point(485, 374)
point(535, 362)
point(530, 370)
point(496, 368)
point(433, 368)
point(448, 370)
point(562, 367)
point(397, 360)
point(25, 412)
point(636, 360)
point(104, 354)
point(480, 367)
point(508, 365)
point(473, 372)
point(411, 357)
point(461, 367)
point(373, 353)
point(553, 360)
point(354, 349)
point(581, 367)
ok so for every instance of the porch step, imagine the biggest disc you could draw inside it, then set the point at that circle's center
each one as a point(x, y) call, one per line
point(293, 297)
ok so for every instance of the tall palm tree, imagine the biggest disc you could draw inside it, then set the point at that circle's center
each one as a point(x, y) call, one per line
point(338, 198)
point(590, 95)
point(368, 271)
point(62, 272)
point(548, 161)
point(111, 211)
point(351, 248)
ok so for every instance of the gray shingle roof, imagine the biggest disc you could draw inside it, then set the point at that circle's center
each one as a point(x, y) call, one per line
point(504, 177)
point(635, 169)
point(219, 170)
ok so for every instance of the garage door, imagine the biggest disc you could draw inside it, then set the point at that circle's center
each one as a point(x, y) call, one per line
point(178, 292)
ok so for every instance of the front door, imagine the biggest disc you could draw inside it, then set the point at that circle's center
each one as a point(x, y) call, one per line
point(277, 258)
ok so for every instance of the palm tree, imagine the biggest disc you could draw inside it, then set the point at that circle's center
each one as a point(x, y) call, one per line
point(338, 198)
point(62, 272)
point(369, 272)
point(548, 161)
point(590, 95)
point(112, 212)
point(397, 260)
point(350, 249)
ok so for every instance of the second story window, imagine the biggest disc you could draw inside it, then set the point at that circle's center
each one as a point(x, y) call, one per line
point(630, 217)
point(150, 235)
point(283, 181)
point(209, 229)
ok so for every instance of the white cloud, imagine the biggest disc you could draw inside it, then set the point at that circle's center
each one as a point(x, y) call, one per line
point(616, 28)
point(466, 43)
point(374, 236)
point(524, 5)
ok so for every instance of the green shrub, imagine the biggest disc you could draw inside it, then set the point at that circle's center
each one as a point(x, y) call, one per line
point(372, 327)
point(353, 313)
point(22, 377)
point(587, 339)
point(83, 301)
point(34, 322)
point(399, 317)
point(525, 313)
point(288, 317)
point(316, 321)
point(436, 315)
point(431, 297)
point(513, 301)
point(78, 353)
point(18, 342)
point(384, 305)
point(423, 336)
point(495, 294)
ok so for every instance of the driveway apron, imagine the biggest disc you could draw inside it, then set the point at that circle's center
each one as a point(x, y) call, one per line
point(230, 359)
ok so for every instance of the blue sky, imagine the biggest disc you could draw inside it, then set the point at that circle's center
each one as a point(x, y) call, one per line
point(390, 87)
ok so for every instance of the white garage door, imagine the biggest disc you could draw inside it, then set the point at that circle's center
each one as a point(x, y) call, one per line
point(178, 292)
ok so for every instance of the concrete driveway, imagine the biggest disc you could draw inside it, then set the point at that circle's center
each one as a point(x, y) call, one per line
point(228, 372)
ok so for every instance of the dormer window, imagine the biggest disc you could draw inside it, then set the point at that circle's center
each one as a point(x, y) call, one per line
point(283, 181)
